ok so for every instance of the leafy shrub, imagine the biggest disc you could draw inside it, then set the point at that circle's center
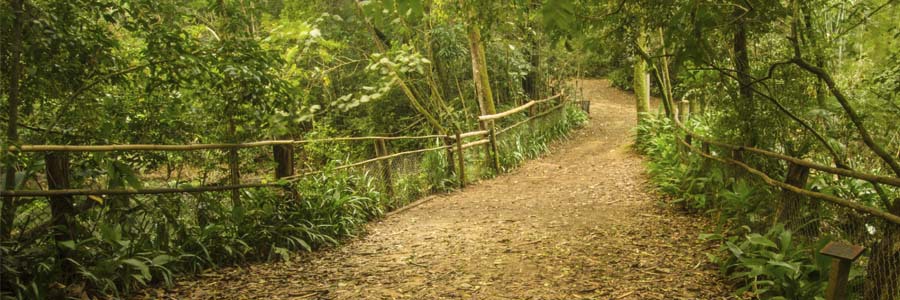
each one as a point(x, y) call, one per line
point(774, 265)
point(157, 241)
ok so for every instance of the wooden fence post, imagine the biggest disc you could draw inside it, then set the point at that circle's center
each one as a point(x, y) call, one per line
point(284, 158)
point(234, 166)
point(496, 150)
point(381, 150)
point(737, 154)
point(694, 107)
point(451, 162)
point(705, 163)
point(462, 160)
point(486, 125)
point(842, 256)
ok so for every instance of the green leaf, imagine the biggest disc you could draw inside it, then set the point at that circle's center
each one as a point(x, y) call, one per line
point(163, 259)
point(794, 268)
point(558, 15)
point(110, 233)
point(139, 265)
point(70, 244)
point(710, 236)
point(760, 240)
point(735, 250)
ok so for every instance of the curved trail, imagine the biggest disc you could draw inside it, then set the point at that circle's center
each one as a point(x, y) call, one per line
point(579, 223)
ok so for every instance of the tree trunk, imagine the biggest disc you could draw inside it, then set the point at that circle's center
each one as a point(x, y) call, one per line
point(641, 79)
point(62, 210)
point(8, 213)
point(792, 215)
point(379, 40)
point(744, 105)
point(479, 71)
point(234, 164)
point(532, 80)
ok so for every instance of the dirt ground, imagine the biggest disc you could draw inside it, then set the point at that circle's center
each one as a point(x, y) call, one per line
point(578, 223)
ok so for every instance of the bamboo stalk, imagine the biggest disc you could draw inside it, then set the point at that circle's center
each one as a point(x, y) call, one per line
point(364, 138)
point(461, 155)
point(142, 147)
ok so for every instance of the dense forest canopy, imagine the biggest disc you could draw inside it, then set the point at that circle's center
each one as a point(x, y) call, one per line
point(817, 80)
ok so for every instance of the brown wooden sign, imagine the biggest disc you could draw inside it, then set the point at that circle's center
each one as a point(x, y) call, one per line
point(842, 251)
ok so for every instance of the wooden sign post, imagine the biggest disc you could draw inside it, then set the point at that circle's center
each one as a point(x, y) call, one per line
point(843, 256)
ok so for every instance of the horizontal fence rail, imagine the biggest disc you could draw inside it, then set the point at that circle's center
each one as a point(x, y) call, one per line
point(221, 146)
point(148, 191)
point(518, 109)
point(894, 181)
point(768, 180)
point(529, 119)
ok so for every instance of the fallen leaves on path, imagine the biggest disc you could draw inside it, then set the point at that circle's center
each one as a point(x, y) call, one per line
point(579, 223)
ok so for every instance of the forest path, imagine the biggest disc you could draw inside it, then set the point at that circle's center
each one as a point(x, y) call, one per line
point(579, 223)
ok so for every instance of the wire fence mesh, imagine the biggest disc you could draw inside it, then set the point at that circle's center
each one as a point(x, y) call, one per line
point(809, 224)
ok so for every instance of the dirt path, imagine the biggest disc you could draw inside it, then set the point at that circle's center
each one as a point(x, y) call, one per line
point(578, 223)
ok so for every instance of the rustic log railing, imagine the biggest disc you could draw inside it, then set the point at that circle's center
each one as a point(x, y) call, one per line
point(882, 263)
point(283, 156)
point(798, 161)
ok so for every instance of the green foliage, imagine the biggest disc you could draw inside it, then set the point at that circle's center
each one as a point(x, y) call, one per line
point(154, 245)
point(774, 265)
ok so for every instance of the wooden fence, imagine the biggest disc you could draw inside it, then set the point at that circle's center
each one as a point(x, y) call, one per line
point(282, 156)
point(879, 238)
point(736, 159)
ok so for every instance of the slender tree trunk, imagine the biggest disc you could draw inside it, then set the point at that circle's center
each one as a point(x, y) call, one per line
point(479, 71)
point(62, 210)
point(532, 80)
point(641, 79)
point(792, 213)
point(8, 214)
point(744, 105)
point(413, 100)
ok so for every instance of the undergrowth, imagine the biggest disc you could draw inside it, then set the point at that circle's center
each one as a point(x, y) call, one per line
point(153, 239)
point(167, 235)
point(762, 260)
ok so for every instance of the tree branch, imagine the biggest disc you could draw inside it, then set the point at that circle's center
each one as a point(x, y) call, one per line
point(851, 113)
